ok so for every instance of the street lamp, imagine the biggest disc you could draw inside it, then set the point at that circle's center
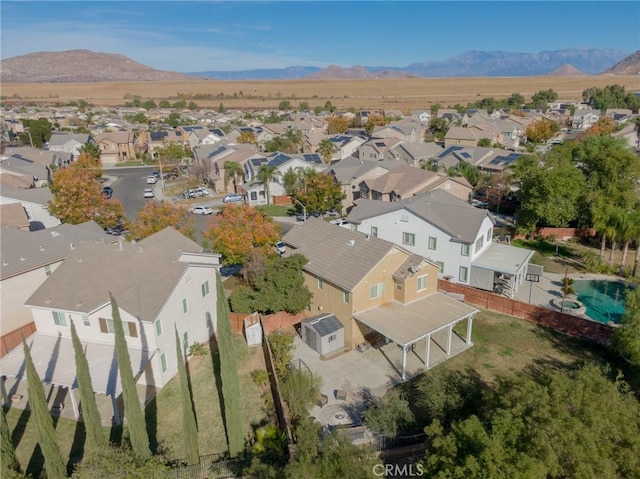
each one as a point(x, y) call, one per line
point(30, 138)
point(304, 208)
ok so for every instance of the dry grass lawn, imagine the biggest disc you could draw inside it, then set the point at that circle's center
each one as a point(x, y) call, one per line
point(402, 94)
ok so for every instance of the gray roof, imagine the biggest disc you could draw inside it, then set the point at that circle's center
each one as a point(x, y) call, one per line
point(324, 324)
point(61, 139)
point(351, 168)
point(503, 258)
point(444, 211)
point(24, 251)
point(40, 196)
point(140, 276)
point(337, 255)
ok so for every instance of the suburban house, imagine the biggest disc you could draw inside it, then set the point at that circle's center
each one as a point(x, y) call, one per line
point(449, 232)
point(584, 119)
point(14, 214)
point(28, 259)
point(376, 148)
point(116, 147)
point(378, 291)
point(350, 173)
point(487, 159)
point(34, 201)
point(406, 181)
point(409, 131)
point(282, 162)
point(68, 143)
point(345, 146)
point(242, 155)
point(164, 285)
point(414, 154)
point(148, 141)
point(32, 165)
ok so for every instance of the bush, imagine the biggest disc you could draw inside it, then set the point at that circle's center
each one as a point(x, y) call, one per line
point(300, 390)
point(198, 349)
point(282, 349)
point(260, 377)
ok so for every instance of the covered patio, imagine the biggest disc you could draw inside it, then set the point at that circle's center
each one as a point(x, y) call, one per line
point(54, 360)
point(431, 319)
point(500, 269)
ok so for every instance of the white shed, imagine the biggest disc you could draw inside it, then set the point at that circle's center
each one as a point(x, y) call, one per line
point(324, 333)
point(253, 330)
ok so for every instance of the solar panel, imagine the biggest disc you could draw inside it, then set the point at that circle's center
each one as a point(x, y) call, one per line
point(464, 154)
point(312, 158)
point(380, 144)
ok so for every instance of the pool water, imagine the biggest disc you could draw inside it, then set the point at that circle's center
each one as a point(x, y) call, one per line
point(604, 300)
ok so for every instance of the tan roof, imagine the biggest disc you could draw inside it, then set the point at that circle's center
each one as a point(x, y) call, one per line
point(402, 179)
point(120, 137)
point(407, 323)
point(14, 214)
point(338, 255)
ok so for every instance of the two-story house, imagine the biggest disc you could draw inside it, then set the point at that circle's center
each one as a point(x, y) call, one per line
point(68, 143)
point(376, 148)
point(116, 147)
point(164, 285)
point(350, 173)
point(584, 119)
point(450, 232)
point(376, 289)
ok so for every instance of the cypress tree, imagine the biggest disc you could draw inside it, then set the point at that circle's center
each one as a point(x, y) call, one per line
point(189, 428)
point(228, 374)
point(132, 410)
point(8, 458)
point(53, 462)
point(96, 439)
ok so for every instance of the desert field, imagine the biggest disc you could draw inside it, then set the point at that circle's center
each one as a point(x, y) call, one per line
point(400, 94)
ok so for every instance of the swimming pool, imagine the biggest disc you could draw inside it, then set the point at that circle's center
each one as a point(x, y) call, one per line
point(604, 300)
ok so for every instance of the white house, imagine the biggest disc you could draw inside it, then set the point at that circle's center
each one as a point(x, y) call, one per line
point(584, 119)
point(449, 232)
point(164, 284)
point(68, 143)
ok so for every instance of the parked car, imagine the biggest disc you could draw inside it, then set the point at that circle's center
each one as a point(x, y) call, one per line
point(107, 191)
point(281, 248)
point(116, 230)
point(339, 222)
point(201, 210)
point(151, 180)
point(148, 193)
point(232, 198)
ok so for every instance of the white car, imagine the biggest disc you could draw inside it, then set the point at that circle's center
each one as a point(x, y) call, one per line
point(152, 180)
point(148, 193)
point(339, 222)
point(201, 210)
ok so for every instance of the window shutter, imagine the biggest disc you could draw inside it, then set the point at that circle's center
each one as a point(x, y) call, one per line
point(103, 325)
point(133, 332)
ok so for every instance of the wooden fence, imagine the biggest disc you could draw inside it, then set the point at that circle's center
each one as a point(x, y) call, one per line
point(11, 340)
point(565, 323)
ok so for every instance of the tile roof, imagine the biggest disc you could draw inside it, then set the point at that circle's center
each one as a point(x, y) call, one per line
point(140, 276)
point(338, 255)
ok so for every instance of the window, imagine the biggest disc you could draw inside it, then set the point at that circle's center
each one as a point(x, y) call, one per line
point(464, 249)
point(163, 360)
point(47, 269)
point(108, 326)
point(422, 283)
point(158, 328)
point(185, 341)
point(332, 338)
point(479, 243)
point(463, 274)
point(399, 285)
point(207, 319)
point(409, 239)
point(254, 196)
point(85, 320)
point(489, 235)
point(319, 283)
point(346, 296)
point(440, 266)
point(374, 231)
point(59, 319)
point(376, 291)
point(404, 217)
point(432, 242)
point(185, 306)
point(205, 288)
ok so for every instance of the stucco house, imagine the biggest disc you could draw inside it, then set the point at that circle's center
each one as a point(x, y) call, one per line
point(68, 143)
point(376, 289)
point(350, 173)
point(117, 147)
point(449, 232)
point(584, 119)
point(164, 284)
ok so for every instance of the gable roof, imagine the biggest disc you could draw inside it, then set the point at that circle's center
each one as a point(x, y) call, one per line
point(404, 178)
point(444, 211)
point(338, 255)
point(351, 168)
point(13, 214)
point(24, 251)
point(61, 139)
point(140, 276)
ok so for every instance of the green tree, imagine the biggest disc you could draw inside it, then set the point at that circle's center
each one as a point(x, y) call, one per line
point(38, 132)
point(92, 149)
point(233, 170)
point(319, 192)
point(133, 412)
point(96, 439)
point(113, 461)
point(266, 174)
point(284, 105)
point(281, 344)
point(625, 339)
point(53, 461)
point(300, 390)
point(326, 149)
point(303, 106)
point(189, 428)
point(390, 415)
point(228, 374)
point(8, 459)
point(484, 142)
point(247, 136)
point(295, 139)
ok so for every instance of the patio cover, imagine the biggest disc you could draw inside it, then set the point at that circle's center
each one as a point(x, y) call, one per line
point(408, 323)
point(503, 258)
point(53, 357)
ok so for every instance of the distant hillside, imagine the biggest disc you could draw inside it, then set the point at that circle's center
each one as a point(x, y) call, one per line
point(289, 73)
point(627, 66)
point(567, 71)
point(80, 66)
point(356, 72)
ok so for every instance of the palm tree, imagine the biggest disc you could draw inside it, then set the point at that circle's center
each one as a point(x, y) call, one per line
point(326, 149)
point(232, 170)
point(612, 229)
point(266, 174)
point(247, 137)
point(294, 137)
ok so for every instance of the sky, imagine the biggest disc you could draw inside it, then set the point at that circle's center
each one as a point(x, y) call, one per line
point(196, 36)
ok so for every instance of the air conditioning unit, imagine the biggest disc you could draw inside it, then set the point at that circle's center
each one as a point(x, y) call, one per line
point(414, 269)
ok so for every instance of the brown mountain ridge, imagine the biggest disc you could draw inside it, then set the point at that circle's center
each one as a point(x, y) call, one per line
point(626, 66)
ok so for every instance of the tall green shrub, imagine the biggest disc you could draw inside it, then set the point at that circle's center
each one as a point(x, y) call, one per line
point(53, 462)
point(189, 428)
point(228, 374)
point(96, 438)
point(133, 412)
point(8, 458)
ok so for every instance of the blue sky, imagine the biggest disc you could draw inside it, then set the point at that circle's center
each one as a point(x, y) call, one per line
point(241, 35)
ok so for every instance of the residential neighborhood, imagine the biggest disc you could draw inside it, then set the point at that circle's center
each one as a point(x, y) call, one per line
point(309, 267)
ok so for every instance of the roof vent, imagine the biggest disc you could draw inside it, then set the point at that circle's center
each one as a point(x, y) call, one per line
point(54, 234)
point(351, 242)
point(72, 246)
point(41, 248)
point(22, 258)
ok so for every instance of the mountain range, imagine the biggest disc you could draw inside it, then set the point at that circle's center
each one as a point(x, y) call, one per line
point(88, 66)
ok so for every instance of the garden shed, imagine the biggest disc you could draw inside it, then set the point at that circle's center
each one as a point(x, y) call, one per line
point(253, 330)
point(323, 333)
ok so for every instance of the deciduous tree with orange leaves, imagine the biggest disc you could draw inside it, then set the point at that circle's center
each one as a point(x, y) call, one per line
point(156, 216)
point(239, 229)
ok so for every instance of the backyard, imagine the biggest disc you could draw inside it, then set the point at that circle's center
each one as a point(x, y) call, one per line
point(163, 415)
